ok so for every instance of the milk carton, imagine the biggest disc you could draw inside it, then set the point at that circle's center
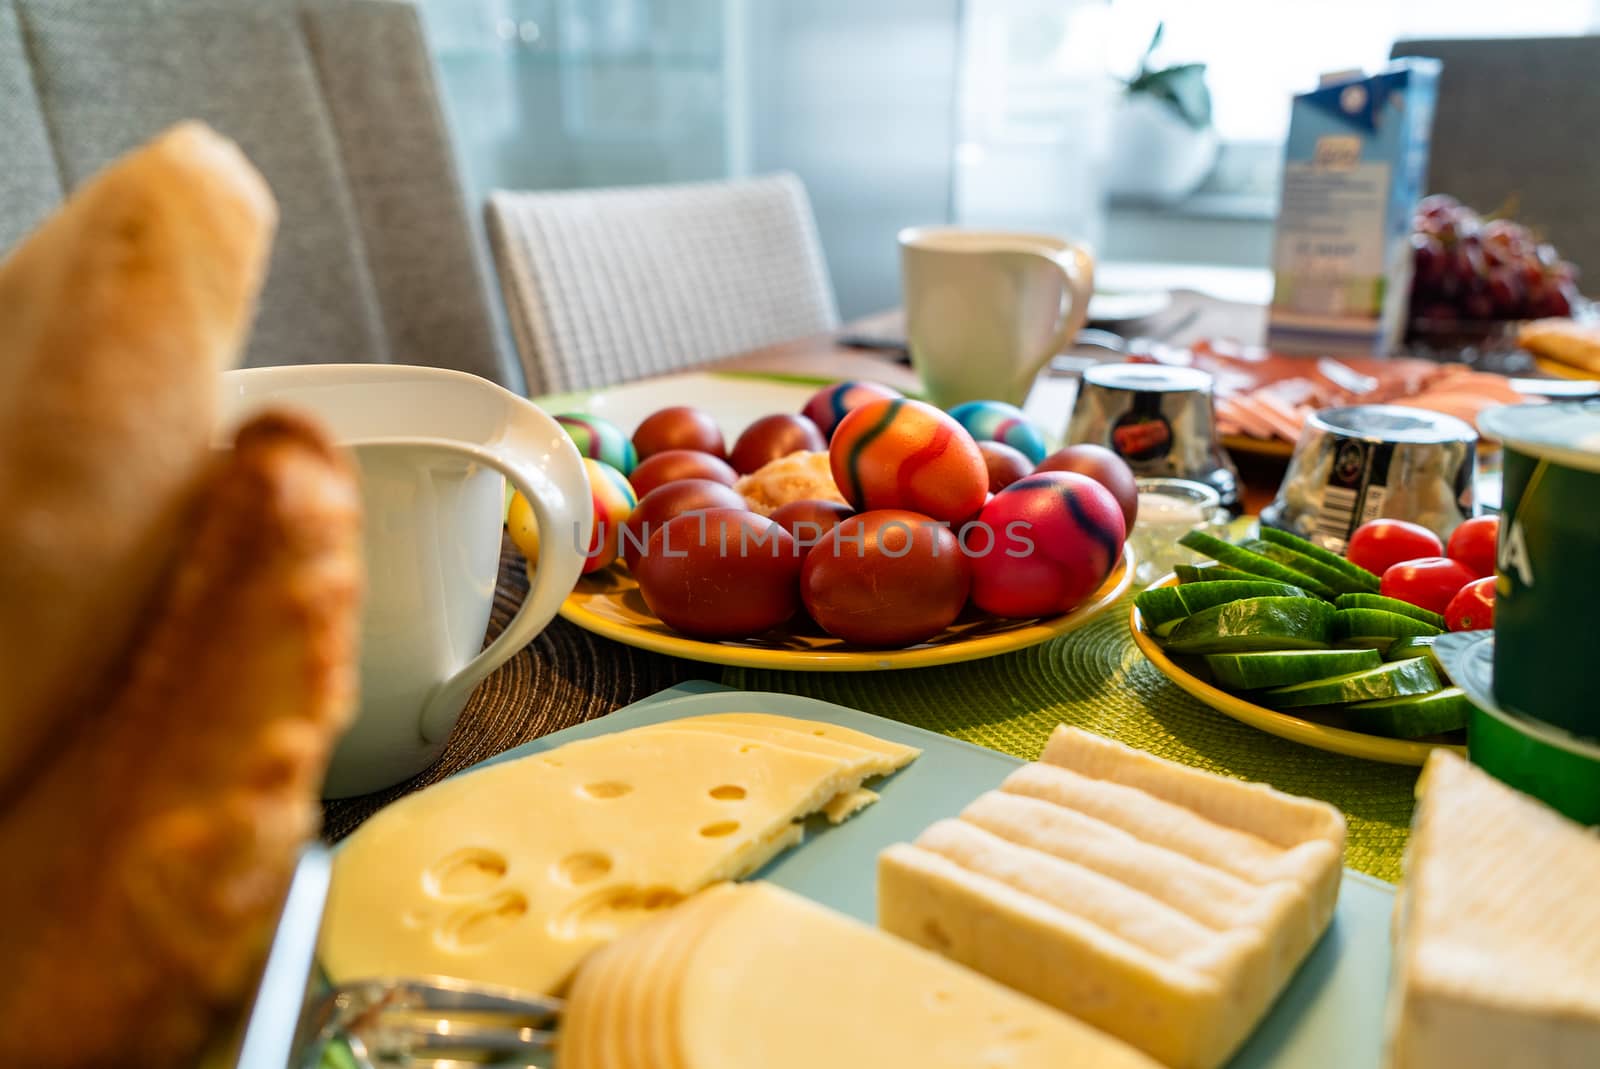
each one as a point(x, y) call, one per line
point(1353, 170)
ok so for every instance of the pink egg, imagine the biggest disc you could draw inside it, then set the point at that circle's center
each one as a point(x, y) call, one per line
point(832, 403)
point(1043, 544)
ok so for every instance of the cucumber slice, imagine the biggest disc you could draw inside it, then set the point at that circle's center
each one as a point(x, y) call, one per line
point(1279, 668)
point(1417, 646)
point(1332, 578)
point(1363, 624)
point(1413, 717)
point(1160, 604)
point(1255, 624)
point(1157, 605)
point(1206, 573)
point(1245, 561)
point(1378, 601)
point(1367, 580)
point(1395, 680)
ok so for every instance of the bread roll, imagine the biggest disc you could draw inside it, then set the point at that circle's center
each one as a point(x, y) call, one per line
point(115, 317)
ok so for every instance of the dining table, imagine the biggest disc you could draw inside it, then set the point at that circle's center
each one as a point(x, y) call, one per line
point(1093, 677)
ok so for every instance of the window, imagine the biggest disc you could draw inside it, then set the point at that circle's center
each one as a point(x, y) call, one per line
point(1260, 52)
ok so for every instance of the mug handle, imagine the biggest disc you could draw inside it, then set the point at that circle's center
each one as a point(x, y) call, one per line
point(1076, 265)
point(557, 503)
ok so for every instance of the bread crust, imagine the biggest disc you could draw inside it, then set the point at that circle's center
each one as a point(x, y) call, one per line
point(115, 317)
point(148, 859)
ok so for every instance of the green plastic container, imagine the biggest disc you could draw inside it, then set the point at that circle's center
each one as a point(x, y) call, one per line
point(1548, 564)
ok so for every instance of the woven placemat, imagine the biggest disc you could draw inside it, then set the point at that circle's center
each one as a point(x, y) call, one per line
point(1096, 678)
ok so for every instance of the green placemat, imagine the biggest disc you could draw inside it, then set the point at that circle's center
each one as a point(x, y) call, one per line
point(1096, 678)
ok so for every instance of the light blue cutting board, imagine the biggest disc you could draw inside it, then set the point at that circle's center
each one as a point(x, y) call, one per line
point(1330, 1017)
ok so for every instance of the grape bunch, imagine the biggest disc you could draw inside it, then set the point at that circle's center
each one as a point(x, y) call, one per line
point(1469, 270)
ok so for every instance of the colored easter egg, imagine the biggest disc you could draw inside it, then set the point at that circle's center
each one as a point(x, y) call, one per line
point(1006, 465)
point(831, 404)
point(666, 502)
point(613, 500)
point(679, 427)
point(996, 421)
point(600, 439)
point(1105, 468)
point(903, 454)
point(886, 578)
point(1043, 545)
point(771, 437)
point(721, 573)
point(675, 464)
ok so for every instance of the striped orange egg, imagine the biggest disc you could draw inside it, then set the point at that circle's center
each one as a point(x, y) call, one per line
point(897, 453)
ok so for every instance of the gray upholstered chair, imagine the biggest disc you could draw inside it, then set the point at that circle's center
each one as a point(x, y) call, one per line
point(607, 285)
point(376, 258)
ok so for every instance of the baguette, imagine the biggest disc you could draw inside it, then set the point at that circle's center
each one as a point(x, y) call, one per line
point(116, 316)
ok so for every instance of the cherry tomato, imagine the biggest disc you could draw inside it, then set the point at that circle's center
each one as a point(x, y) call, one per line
point(1472, 609)
point(886, 578)
point(1473, 544)
point(1378, 545)
point(1427, 582)
point(720, 573)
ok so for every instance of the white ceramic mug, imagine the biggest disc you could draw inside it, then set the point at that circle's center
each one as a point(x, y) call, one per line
point(987, 309)
point(433, 449)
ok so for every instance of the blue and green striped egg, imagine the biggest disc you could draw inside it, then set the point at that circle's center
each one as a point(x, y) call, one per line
point(996, 421)
point(600, 439)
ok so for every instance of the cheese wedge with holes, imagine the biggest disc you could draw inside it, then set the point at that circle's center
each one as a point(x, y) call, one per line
point(1497, 956)
point(748, 975)
point(1159, 903)
point(512, 874)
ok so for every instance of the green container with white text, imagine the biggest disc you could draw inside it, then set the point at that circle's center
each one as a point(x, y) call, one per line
point(1547, 592)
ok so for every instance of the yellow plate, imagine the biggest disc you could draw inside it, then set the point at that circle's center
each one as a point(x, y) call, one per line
point(608, 603)
point(1310, 733)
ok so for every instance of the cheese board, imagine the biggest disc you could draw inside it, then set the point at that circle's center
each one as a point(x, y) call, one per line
point(1331, 1013)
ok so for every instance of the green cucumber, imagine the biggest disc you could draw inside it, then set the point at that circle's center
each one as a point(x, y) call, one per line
point(1160, 604)
point(1272, 623)
point(1362, 624)
point(1397, 679)
point(1279, 668)
point(1245, 561)
point(1378, 601)
point(1332, 578)
point(1157, 604)
point(1206, 573)
point(1415, 716)
point(1367, 580)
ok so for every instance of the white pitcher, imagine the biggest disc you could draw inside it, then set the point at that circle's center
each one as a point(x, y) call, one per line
point(433, 449)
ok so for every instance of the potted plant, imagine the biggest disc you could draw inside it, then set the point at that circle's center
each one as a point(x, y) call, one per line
point(1162, 142)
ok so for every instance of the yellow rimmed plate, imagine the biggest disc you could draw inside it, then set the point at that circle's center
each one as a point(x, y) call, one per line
point(609, 604)
point(1307, 732)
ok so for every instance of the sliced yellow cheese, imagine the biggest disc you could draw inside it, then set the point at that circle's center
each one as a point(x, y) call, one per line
point(1161, 904)
point(1497, 962)
point(511, 874)
point(844, 806)
point(763, 978)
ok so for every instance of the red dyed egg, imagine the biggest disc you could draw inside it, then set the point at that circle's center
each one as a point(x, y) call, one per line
point(674, 464)
point(772, 437)
point(1043, 545)
point(831, 404)
point(808, 520)
point(723, 573)
point(1105, 468)
point(665, 502)
point(886, 578)
point(903, 454)
point(679, 427)
point(1006, 464)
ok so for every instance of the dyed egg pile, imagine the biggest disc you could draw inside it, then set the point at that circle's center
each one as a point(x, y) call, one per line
point(996, 421)
point(833, 403)
point(614, 501)
point(903, 454)
point(600, 439)
point(948, 514)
